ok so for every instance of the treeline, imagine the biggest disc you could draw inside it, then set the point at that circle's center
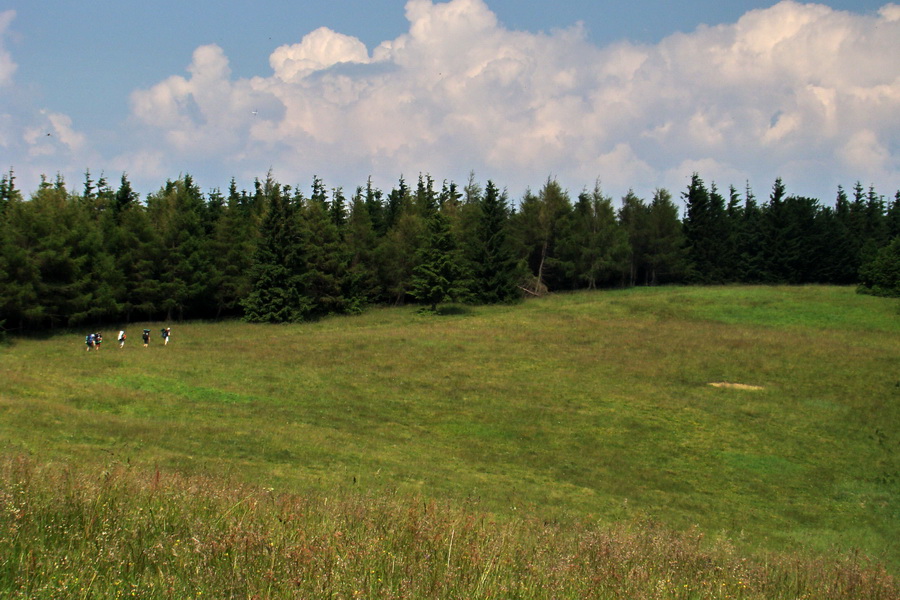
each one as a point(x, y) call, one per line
point(273, 254)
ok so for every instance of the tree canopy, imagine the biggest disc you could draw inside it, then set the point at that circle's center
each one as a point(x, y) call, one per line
point(104, 254)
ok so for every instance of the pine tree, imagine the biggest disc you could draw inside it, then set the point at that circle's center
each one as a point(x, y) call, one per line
point(276, 277)
point(439, 271)
point(705, 232)
point(361, 240)
point(327, 259)
point(893, 217)
point(178, 210)
point(233, 244)
point(397, 254)
point(634, 218)
point(750, 260)
point(495, 267)
point(375, 207)
point(398, 249)
point(595, 244)
point(539, 226)
point(666, 253)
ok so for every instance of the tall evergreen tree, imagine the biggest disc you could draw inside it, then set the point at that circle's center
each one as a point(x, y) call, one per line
point(177, 210)
point(361, 239)
point(276, 277)
point(327, 258)
point(842, 259)
point(666, 253)
point(495, 266)
point(705, 231)
point(595, 244)
point(233, 244)
point(398, 202)
point(893, 217)
point(438, 274)
point(398, 255)
point(634, 218)
point(539, 227)
point(19, 274)
point(375, 207)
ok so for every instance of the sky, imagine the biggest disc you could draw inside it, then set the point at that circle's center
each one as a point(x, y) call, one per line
point(628, 96)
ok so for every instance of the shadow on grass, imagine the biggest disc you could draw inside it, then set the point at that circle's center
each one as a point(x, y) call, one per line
point(450, 310)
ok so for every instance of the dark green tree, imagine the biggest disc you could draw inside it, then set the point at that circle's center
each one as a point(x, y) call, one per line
point(495, 272)
point(437, 276)
point(596, 242)
point(893, 217)
point(362, 242)
point(233, 244)
point(276, 277)
point(178, 212)
point(634, 219)
point(666, 252)
point(327, 258)
point(539, 227)
point(880, 276)
point(705, 231)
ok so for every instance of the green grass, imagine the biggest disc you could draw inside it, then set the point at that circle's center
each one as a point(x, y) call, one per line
point(123, 533)
point(572, 407)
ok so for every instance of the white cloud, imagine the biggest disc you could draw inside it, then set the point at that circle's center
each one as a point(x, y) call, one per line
point(796, 90)
point(319, 50)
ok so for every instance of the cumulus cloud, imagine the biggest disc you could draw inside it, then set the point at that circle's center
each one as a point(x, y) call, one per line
point(319, 50)
point(800, 91)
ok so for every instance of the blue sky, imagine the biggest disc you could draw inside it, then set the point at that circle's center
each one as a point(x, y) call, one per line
point(636, 95)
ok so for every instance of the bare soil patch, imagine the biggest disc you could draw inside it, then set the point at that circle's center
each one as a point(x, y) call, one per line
point(736, 386)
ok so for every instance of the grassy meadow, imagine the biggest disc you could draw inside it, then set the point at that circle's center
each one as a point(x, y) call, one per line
point(501, 450)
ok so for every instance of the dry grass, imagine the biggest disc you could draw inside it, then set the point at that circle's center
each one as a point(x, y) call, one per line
point(123, 533)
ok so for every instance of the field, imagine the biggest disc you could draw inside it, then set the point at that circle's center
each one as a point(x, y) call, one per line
point(588, 408)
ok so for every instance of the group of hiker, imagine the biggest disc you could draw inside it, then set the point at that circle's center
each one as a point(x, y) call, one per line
point(93, 340)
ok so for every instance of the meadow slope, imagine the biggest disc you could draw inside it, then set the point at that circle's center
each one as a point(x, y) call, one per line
point(570, 407)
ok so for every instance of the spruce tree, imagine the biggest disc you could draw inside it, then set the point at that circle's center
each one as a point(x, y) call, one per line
point(324, 282)
point(595, 244)
point(178, 210)
point(362, 274)
point(439, 272)
point(634, 218)
point(666, 254)
point(233, 244)
point(276, 277)
point(495, 267)
point(705, 231)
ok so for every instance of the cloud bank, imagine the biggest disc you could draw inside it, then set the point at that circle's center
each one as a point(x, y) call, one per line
point(800, 91)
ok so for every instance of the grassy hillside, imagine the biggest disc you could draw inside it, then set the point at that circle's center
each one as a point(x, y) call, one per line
point(583, 406)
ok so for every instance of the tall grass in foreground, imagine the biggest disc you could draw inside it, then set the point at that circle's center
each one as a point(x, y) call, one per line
point(125, 533)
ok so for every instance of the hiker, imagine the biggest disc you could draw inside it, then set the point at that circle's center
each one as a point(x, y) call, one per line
point(165, 335)
point(98, 339)
point(146, 337)
point(122, 339)
point(89, 341)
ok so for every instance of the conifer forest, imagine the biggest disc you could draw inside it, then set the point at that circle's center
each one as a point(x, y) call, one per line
point(103, 254)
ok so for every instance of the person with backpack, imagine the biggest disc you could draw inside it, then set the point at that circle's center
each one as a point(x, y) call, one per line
point(166, 332)
point(89, 341)
point(122, 339)
point(98, 339)
point(146, 337)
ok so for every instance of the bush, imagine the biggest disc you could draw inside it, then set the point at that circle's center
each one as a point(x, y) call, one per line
point(881, 275)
